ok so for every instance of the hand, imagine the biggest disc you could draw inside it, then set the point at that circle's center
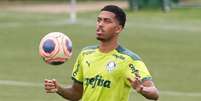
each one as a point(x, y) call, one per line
point(136, 83)
point(51, 86)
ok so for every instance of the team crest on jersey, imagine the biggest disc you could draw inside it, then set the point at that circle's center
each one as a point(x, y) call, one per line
point(110, 66)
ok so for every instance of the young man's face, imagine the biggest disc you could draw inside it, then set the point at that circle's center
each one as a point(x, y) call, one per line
point(107, 26)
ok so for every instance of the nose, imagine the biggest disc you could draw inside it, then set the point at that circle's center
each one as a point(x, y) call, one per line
point(100, 23)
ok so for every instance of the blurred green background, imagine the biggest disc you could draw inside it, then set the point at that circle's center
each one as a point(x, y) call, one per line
point(168, 43)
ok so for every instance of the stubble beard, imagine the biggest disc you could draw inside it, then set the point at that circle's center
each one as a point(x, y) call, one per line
point(100, 39)
point(103, 39)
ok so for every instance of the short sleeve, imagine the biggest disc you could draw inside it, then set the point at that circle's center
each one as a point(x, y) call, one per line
point(137, 67)
point(77, 73)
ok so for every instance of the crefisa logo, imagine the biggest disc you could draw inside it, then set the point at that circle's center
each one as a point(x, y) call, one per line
point(110, 66)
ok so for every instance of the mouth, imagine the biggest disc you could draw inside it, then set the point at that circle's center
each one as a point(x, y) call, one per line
point(99, 31)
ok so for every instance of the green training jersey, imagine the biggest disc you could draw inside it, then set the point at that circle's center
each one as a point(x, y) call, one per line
point(104, 75)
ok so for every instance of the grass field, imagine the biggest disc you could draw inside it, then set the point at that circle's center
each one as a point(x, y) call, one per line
point(169, 44)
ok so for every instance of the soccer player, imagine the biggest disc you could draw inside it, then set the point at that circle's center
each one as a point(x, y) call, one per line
point(108, 71)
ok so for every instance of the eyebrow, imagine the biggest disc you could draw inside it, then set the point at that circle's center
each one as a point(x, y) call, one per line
point(104, 18)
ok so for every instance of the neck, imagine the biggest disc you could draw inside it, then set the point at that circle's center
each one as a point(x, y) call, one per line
point(108, 46)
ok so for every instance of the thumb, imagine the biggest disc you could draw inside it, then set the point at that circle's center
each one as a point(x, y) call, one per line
point(55, 82)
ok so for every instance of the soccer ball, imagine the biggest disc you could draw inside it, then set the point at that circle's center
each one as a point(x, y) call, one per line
point(55, 48)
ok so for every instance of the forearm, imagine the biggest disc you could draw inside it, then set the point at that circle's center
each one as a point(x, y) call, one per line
point(150, 93)
point(69, 93)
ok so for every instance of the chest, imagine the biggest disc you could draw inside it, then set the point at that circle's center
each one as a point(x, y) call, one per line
point(103, 65)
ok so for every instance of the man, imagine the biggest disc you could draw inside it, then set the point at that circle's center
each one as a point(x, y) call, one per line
point(108, 71)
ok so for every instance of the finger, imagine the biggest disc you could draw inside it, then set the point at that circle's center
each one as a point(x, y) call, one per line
point(137, 78)
point(54, 82)
point(49, 83)
point(137, 73)
point(49, 87)
point(130, 80)
point(138, 81)
point(46, 80)
point(134, 83)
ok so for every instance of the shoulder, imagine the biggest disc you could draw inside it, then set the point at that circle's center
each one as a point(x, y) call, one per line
point(89, 49)
point(92, 47)
point(127, 52)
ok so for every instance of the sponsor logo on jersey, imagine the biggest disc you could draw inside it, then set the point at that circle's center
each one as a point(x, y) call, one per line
point(134, 70)
point(97, 81)
point(132, 67)
point(110, 66)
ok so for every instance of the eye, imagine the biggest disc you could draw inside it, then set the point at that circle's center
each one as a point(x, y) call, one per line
point(108, 21)
point(98, 19)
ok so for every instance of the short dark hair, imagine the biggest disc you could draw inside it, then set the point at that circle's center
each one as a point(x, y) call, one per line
point(119, 13)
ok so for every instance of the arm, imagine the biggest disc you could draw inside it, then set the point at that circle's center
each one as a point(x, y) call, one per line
point(145, 88)
point(73, 92)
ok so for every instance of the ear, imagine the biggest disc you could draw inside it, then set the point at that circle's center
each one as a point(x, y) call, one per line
point(119, 28)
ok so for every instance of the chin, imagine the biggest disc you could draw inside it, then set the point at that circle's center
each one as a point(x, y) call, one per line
point(100, 39)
